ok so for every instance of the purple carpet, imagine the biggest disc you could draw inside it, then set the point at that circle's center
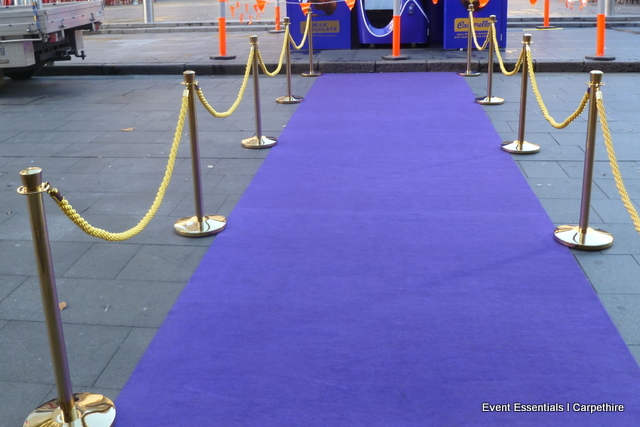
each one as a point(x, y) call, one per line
point(388, 266)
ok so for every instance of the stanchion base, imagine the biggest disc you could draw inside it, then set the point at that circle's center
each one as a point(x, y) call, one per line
point(592, 240)
point(262, 142)
point(223, 57)
point(93, 410)
point(396, 58)
point(275, 31)
point(514, 147)
point(311, 74)
point(469, 74)
point(548, 27)
point(600, 58)
point(289, 99)
point(191, 227)
point(494, 100)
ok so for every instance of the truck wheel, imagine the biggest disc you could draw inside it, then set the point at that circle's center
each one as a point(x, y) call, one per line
point(22, 73)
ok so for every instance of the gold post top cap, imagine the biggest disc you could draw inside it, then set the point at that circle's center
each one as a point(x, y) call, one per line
point(32, 181)
point(596, 76)
point(31, 171)
point(31, 178)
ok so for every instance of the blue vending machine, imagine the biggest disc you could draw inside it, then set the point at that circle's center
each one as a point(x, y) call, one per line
point(375, 22)
point(456, 21)
point(331, 23)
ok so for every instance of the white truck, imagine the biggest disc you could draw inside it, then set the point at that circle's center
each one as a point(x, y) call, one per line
point(33, 35)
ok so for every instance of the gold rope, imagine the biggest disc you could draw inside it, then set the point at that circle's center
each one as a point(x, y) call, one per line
point(304, 37)
point(116, 237)
point(473, 33)
point(279, 67)
point(243, 87)
point(543, 107)
point(626, 200)
point(519, 62)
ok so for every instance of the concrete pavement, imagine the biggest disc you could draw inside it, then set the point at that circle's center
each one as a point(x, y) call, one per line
point(151, 50)
point(103, 140)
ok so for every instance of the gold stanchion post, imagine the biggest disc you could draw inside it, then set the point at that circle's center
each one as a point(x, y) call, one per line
point(198, 225)
point(489, 99)
point(520, 146)
point(259, 140)
point(288, 98)
point(311, 72)
point(81, 409)
point(582, 236)
point(468, 72)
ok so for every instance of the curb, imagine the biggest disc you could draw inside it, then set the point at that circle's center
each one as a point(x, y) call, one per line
point(264, 25)
point(335, 67)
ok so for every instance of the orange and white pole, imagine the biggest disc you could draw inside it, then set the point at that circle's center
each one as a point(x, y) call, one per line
point(600, 35)
point(395, 35)
point(278, 27)
point(547, 11)
point(222, 31)
point(277, 10)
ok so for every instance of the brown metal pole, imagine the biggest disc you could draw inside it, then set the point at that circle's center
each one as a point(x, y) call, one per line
point(199, 225)
point(582, 236)
point(590, 149)
point(258, 141)
point(311, 72)
point(33, 188)
point(489, 99)
point(289, 98)
point(190, 82)
point(468, 72)
point(520, 146)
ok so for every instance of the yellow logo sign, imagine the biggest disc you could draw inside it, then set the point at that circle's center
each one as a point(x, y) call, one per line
point(322, 27)
point(480, 24)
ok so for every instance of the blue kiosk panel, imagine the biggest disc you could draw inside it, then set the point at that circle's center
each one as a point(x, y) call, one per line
point(375, 22)
point(456, 22)
point(331, 25)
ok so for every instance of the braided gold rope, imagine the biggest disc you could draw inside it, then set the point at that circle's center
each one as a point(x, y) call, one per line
point(519, 62)
point(617, 176)
point(304, 37)
point(543, 107)
point(243, 87)
point(473, 33)
point(117, 237)
point(279, 67)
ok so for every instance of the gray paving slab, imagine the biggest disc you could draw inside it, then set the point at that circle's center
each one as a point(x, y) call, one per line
point(542, 169)
point(89, 301)
point(625, 313)
point(626, 241)
point(18, 258)
point(612, 274)
point(103, 261)
point(117, 372)
point(162, 263)
point(19, 398)
point(567, 211)
point(8, 284)
point(30, 359)
point(610, 211)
